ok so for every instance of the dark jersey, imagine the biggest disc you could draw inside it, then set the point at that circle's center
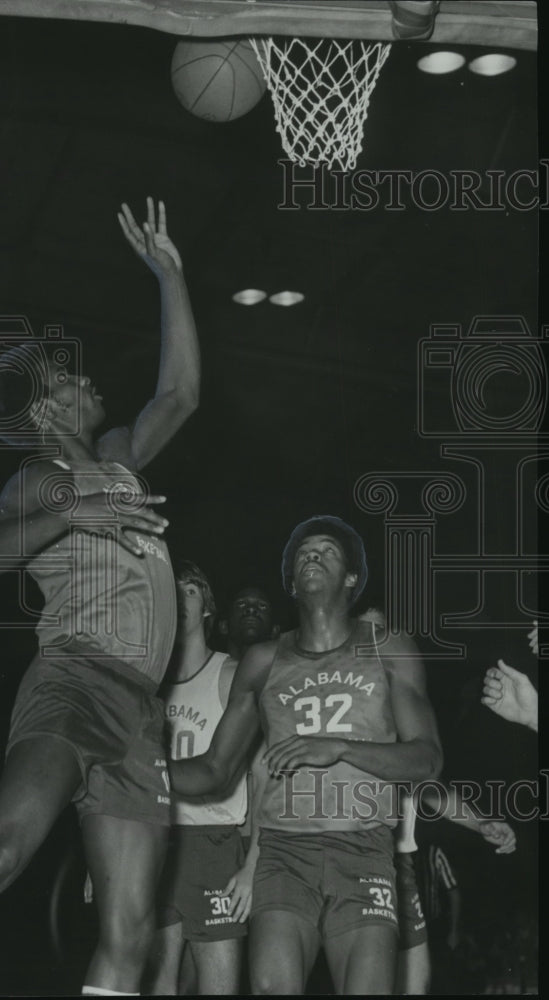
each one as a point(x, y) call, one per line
point(342, 693)
point(100, 599)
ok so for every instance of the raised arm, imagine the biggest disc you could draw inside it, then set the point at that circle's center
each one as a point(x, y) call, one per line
point(178, 385)
point(417, 754)
point(235, 732)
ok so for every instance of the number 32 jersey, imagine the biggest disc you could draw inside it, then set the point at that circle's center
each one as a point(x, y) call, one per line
point(340, 694)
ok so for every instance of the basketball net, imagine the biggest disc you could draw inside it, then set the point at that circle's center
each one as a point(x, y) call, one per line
point(321, 93)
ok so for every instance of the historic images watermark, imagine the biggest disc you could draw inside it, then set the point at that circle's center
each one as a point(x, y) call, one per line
point(86, 556)
point(313, 794)
point(501, 440)
point(430, 190)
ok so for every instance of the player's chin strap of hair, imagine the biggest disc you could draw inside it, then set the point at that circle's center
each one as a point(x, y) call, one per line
point(98, 991)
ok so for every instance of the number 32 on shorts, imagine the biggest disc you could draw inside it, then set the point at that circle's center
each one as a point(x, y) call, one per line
point(312, 719)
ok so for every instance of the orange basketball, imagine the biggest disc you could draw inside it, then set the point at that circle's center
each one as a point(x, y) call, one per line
point(218, 79)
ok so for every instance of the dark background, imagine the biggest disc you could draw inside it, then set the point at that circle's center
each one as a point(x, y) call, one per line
point(297, 403)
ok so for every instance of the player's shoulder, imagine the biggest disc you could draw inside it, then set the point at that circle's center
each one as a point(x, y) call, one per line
point(21, 492)
point(401, 655)
point(116, 446)
point(255, 665)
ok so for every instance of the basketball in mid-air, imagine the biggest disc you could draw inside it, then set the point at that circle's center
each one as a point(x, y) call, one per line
point(217, 79)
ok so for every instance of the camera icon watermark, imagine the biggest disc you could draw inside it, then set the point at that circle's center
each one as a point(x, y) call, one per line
point(31, 368)
point(490, 381)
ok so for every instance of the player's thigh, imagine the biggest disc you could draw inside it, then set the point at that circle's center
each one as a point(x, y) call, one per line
point(413, 970)
point(218, 965)
point(362, 961)
point(125, 859)
point(39, 779)
point(282, 950)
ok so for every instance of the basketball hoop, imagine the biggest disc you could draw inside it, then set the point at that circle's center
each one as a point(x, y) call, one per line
point(321, 92)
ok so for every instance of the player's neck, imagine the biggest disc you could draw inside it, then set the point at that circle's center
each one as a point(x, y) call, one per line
point(234, 651)
point(78, 449)
point(193, 652)
point(237, 651)
point(322, 628)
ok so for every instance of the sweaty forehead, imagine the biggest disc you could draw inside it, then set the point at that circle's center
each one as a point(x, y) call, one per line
point(312, 540)
point(251, 592)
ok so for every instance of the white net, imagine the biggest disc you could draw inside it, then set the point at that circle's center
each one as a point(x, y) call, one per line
point(321, 93)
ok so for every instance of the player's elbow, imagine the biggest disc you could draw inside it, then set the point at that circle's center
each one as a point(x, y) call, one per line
point(185, 402)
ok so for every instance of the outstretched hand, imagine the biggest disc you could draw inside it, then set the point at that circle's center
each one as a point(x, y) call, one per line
point(151, 242)
point(499, 834)
point(511, 695)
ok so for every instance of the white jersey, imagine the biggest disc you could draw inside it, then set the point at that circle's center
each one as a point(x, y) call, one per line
point(193, 709)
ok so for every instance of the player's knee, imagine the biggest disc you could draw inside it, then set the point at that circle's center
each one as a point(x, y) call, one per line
point(272, 982)
point(128, 931)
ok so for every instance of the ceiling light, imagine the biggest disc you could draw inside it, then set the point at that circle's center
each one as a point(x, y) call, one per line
point(286, 298)
point(492, 64)
point(249, 296)
point(441, 62)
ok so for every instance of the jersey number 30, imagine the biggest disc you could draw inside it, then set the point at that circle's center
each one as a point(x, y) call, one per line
point(312, 708)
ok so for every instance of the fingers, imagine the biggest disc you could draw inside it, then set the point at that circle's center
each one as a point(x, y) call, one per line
point(509, 671)
point(241, 899)
point(493, 686)
point(150, 214)
point(500, 835)
point(506, 848)
point(229, 888)
point(145, 522)
point(131, 230)
point(162, 227)
point(278, 755)
point(242, 911)
point(150, 244)
point(126, 543)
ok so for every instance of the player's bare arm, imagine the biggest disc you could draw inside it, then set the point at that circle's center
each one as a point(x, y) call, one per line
point(417, 755)
point(240, 886)
point(453, 807)
point(178, 385)
point(27, 526)
point(235, 733)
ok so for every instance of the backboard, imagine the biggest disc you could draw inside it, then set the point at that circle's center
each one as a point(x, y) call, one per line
point(463, 22)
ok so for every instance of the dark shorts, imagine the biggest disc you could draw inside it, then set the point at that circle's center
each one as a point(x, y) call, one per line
point(413, 929)
point(199, 863)
point(335, 881)
point(112, 722)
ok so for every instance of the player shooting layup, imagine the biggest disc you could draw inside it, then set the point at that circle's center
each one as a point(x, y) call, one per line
point(86, 724)
point(341, 725)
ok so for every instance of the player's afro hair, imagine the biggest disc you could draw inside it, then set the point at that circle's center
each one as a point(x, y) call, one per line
point(348, 538)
